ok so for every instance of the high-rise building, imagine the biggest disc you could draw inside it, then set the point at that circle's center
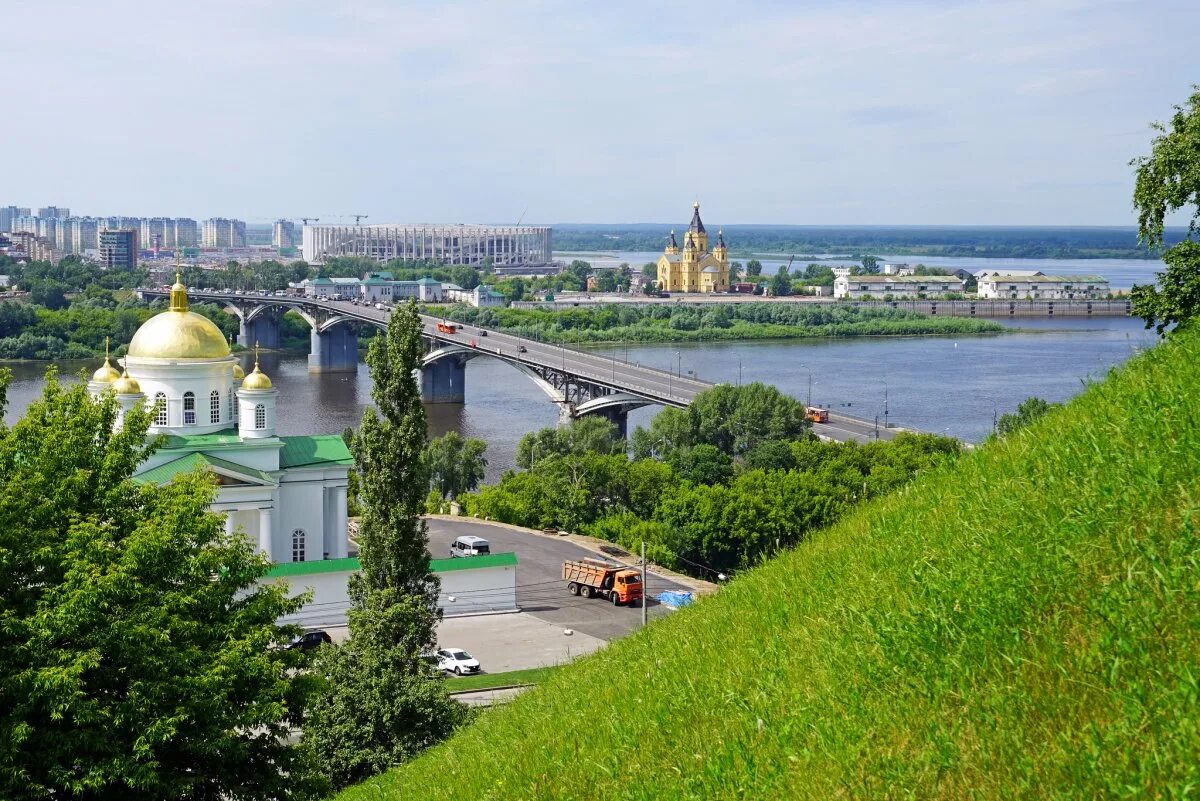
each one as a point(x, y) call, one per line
point(222, 233)
point(25, 223)
point(54, 213)
point(7, 215)
point(48, 228)
point(154, 233)
point(118, 248)
point(185, 233)
point(84, 234)
point(284, 235)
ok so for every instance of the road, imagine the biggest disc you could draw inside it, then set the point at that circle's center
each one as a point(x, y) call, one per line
point(541, 591)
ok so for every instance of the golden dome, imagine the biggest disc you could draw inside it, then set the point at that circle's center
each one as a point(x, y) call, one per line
point(107, 373)
point(178, 333)
point(256, 380)
point(126, 385)
point(238, 372)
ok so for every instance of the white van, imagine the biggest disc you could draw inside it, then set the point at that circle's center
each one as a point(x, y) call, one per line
point(470, 546)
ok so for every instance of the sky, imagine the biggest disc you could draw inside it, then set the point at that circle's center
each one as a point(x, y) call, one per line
point(1005, 112)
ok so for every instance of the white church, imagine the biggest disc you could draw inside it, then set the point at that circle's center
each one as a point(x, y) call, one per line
point(288, 494)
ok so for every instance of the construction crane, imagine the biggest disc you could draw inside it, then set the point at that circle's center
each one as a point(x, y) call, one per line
point(359, 217)
point(305, 220)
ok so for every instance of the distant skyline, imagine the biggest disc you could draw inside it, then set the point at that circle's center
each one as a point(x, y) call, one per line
point(1019, 112)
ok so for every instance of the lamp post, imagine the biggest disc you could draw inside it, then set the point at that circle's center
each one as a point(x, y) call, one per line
point(885, 403)
point(809, 371)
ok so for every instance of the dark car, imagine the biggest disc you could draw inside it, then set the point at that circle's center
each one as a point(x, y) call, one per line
point(310, 640)
point(522, 349)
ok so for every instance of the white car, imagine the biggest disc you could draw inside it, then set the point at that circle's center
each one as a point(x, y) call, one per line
point(456, 661)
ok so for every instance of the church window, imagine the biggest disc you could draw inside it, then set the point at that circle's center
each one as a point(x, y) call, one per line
point(160, 409)
point(214, 407)
point(298, 545)
point(260, 416)
point(189, 408)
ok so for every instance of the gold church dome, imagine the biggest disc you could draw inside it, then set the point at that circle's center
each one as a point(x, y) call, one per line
point(238, 372)
point(257, 378)
point(178, 333)
point(126, 385)
point(107, 373)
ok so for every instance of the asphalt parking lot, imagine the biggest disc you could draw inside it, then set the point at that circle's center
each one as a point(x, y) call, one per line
point(541, 592)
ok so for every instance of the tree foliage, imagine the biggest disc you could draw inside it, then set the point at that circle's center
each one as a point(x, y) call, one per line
point(1168, 180)
point(587, 434)
point(455, 464)
point(1029, 411)
point(380, 705)
point(139, 656)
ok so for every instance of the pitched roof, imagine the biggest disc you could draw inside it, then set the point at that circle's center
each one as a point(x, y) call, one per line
point(1044, 279)
point(903, 279)
point(284, 569)
point(164, 473)
point(314, 450)
point(696, 224)
point(672, 257)
point(228, 436)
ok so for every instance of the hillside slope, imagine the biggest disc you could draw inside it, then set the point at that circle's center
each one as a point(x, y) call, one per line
point(1024, 625)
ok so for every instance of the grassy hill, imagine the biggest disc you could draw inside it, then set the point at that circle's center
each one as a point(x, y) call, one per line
point(1024, 625)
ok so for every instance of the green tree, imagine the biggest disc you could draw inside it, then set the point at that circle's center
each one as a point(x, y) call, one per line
point(702, 464)
point(587, 434)
point(140, 656)
point(455, 463)
point(753, 267)
point(606, 281)
point(1168, 180)
point(781, 283)
point(650, 270)
point(870, 265)
point(1029, 410)
point(380, 706)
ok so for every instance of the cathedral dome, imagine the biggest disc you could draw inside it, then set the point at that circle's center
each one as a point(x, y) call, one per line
point(238, 372)
point(126, 385)
point(257, 379)
point(178, 333)
point(106, 374)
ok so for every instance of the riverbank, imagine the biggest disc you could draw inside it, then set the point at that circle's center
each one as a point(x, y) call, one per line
point(740, 322)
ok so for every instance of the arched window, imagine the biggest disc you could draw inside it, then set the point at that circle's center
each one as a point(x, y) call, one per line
point(214, 406)
point(232, 408)
point(260, 416)
point(298, 545)
point(160, 408)
point(189, 408)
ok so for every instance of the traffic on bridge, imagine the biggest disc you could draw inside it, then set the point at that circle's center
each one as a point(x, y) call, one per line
point(580, 382)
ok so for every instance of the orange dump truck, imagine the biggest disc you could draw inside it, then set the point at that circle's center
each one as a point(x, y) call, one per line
point(617, 583)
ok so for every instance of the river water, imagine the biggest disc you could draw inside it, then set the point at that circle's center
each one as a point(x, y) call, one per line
point(1121, 273)
point(950, 385)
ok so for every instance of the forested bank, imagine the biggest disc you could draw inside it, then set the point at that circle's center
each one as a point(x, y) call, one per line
point(671, 323)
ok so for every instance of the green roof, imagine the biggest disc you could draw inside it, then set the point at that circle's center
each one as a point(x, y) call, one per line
point(285, 569)
point(427, 281)
point(1045, 279)
point(164, 473)
point(314, 450)
point(376, 281)
point(228, 436)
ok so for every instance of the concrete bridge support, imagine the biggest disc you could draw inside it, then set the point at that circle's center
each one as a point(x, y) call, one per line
point(334, 350)
point(263, 329)
point(444, 381)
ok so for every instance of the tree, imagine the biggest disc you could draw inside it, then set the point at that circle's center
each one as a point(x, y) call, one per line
point(587, 434)
point(1168, 180)
point(650, 270)
point(455, 463)
point(141, 656)
point(753, 267)
point(51, 294)
point(606, 281)
point(870, 265)
point(1029, 410)
point(380, 705)
point(781, 283)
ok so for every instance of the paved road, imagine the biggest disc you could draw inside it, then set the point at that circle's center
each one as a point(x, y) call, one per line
point(540, 588)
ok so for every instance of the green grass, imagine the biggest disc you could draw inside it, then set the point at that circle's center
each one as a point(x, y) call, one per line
point(486, 681)
point(1023, 625)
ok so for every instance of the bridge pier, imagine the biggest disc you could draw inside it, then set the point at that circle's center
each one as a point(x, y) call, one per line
point(263, 330)
point(444, 381)
point(334, 350)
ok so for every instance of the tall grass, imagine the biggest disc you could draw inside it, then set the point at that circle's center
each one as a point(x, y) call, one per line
point(1024, 625)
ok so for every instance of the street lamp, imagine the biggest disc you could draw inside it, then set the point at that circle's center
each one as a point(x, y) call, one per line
point(809, 371)
point(885, 403)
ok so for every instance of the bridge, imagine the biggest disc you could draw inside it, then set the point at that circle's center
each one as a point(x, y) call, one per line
point(579, 382)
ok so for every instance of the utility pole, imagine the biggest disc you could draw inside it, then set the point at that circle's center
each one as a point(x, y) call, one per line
point(645, 592)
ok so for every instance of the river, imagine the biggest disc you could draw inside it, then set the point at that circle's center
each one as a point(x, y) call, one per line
point(1121, 273)
point(950, 385)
